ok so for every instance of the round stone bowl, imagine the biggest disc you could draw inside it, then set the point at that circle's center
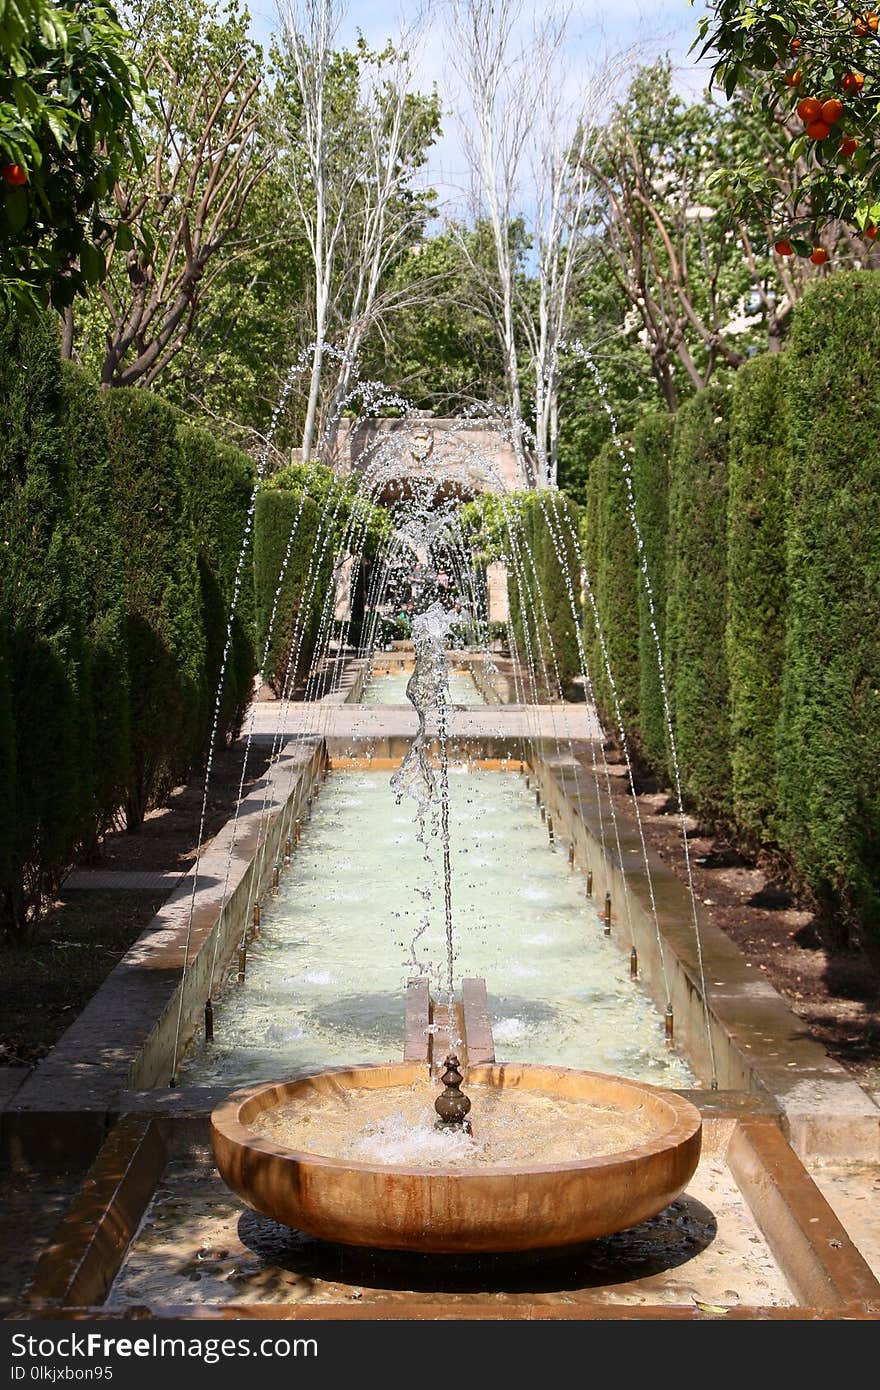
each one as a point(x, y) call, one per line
point(460, 1209)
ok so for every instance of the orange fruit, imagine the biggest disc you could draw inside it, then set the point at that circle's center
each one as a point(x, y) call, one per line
point(832, 110)
point(794, 45)
point(848, 146)
point(809, 109)
point(14, 175)
point(853, 82)
point(870, 231)
point(818, 130)
point(783, 248)
point(866, 23)
point(793, 79)
point(819, 255)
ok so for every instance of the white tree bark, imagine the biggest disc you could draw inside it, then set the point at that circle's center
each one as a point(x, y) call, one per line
point(310, 29)
point(529, 148)
point(384, 227)
point(495, 130)
point(348, 178)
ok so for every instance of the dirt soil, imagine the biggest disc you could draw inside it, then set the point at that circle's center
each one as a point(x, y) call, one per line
point(49, 978)
point(834, 988)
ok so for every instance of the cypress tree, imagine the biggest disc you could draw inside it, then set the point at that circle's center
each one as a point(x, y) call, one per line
point(275, 517)
point(652, 447)
point(164, 629)
point(219, 482)
point(96, 558)
point(513, 532)
point(756, 588)
point(554, 528)
point(830, 729)
point(591, 541)
point(547, 526)
point(697, 601)
point(617, 594)
point(41, 617)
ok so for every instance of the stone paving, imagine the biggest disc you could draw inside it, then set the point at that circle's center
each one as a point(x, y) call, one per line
point(288, 719)
point(195, 1247)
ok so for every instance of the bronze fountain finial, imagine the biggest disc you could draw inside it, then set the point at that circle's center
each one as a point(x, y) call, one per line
point(452, 1105)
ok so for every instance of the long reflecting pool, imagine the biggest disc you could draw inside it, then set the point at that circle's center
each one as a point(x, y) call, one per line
point(389, 688)
point(361, 911)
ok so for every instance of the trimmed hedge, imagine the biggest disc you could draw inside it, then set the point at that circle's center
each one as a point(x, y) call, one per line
point(756, 588)
point(165, 632)
point(278, 511)
point(652, 450)
point(547, 527)
point(315, 530)
point(218, 486)
point(759, 510)
point(590, 546)
point(43, 631)
point(830, 729)
point(112, 580)
point(7, 776)
point(696, 614)
point(96, 553)
point(616, 590)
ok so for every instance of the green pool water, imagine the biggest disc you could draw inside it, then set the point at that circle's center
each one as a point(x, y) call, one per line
point(361, 911)
point(390, 689)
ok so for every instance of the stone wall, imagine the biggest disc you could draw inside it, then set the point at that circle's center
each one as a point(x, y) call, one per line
point(476, 456)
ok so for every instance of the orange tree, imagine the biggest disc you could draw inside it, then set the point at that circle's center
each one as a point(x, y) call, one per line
point(813, 71)
point(69, 103)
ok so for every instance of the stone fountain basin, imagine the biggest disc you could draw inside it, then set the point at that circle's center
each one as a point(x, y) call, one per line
point(465, 1209)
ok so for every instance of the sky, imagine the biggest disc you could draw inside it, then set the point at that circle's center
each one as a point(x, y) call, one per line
point(656, 26)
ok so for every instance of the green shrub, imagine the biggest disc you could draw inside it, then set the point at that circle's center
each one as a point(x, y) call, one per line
point(756, 588)
point(278, 512)
point(96, 558)
point(697, 602)
point(219, 482)
point(165, 633)
point(616, 589)
point(319, 532)
point(40, 617)
point(121, 530)
point(830, 729)
point(7, 780)
point(558, 553)
point(652, 445)
point(547, 526)
point(590, 548)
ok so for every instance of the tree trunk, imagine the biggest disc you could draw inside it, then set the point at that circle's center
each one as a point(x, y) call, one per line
point(67, 333)
point(308, 434)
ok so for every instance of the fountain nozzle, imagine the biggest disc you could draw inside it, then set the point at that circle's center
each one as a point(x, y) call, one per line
point(452, 1105)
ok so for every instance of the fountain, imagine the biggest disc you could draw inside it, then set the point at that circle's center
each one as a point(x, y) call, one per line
point(461, 1204)
point(532, 1157)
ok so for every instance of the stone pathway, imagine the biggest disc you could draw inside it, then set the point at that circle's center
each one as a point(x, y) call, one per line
point(291, 719)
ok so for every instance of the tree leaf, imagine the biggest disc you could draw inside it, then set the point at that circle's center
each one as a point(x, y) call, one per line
point(92, 263)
